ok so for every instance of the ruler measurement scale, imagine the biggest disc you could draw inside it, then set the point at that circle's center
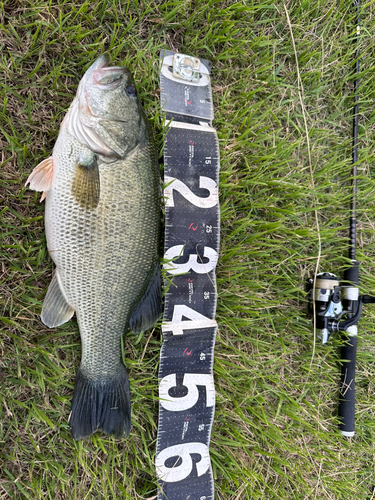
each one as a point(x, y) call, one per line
point(187, 393)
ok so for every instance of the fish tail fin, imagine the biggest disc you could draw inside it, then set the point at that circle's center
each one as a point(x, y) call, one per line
point(101, 404)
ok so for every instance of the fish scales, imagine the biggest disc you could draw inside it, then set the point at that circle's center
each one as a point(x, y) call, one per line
point(105, 255)
point(102, 226)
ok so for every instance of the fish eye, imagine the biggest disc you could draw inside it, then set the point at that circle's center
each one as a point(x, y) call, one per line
point(130, 90)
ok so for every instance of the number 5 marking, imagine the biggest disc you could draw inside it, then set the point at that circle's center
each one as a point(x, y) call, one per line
point(204, 183)
point(191, 381)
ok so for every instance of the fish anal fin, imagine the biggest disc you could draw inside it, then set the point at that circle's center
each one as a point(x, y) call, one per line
point(40, 178)
point(149, 308)
point(86, 183)
point(56, 309)
point(101, 404)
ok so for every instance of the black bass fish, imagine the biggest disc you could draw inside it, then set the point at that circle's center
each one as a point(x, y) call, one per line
point(102, 218)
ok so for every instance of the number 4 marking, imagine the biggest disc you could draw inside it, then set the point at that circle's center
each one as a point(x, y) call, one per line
point(195, 321)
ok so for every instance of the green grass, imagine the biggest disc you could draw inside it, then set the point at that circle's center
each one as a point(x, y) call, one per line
point(275, 431)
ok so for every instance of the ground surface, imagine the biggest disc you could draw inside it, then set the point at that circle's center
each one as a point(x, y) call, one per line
point(282, 85)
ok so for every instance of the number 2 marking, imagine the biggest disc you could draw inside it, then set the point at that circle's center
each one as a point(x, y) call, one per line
point(204, 183)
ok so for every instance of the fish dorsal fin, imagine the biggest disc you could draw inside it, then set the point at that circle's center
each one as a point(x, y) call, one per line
point(86, 183)
point(40, 178)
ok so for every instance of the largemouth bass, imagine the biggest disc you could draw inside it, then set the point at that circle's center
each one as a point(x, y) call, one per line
point(102, 217)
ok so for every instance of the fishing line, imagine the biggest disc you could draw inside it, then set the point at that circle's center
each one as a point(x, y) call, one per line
point(316, 214)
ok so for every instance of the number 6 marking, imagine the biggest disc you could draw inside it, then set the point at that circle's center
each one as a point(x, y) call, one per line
point(183, 452)
point(204, 183)
point(192, 263)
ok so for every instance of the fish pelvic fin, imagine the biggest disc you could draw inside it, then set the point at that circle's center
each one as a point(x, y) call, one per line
point(149, 308)
point(40, 178)
point(86, 183)
point(56, 310)
point(101, 404)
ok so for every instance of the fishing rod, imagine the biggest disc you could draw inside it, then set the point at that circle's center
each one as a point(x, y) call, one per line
point(336, 305)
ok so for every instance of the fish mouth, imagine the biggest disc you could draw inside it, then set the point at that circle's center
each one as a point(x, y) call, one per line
point(106, 76)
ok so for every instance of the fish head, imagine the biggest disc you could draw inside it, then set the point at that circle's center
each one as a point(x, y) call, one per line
point(106, 114)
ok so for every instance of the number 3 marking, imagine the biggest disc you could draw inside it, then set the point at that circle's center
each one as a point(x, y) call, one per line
point(192, 263)
point(204, 183)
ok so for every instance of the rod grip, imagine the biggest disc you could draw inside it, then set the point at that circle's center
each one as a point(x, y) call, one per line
point(347, 388)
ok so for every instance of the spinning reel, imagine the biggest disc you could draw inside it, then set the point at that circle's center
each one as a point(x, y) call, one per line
point(338, 306)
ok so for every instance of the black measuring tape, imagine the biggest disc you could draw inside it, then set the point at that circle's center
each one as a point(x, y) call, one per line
point(192, 217)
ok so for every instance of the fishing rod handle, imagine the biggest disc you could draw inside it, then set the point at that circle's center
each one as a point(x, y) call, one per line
point(347, 387)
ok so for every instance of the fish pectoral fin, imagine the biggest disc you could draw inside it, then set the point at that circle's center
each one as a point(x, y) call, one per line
point(56, 309)
point(40, 178)
point(149, 307)
point(86, 183)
